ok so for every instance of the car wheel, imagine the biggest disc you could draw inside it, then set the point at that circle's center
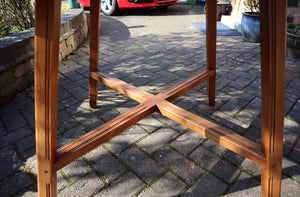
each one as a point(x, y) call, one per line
point(109, 7)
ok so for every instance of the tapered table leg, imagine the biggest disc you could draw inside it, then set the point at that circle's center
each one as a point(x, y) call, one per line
point(94, 49)
point(211, 47)
point(273, 50)
point(46, 88)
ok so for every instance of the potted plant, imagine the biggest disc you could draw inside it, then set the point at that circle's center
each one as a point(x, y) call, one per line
point(250, 24)
point(293, 40)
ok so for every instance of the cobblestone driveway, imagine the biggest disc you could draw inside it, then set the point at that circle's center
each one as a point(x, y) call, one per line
point(154, 50)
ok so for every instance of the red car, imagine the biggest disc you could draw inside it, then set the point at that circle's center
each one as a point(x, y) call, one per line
point(112, 7)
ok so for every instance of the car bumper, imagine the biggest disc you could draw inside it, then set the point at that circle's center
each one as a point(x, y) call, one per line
point(125, 4)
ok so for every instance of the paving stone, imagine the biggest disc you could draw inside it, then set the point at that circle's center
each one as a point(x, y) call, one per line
point(288, 106)
point(241, 82)
point(295, 154)
point(167, 74)
point(69, 101)
point(204, 109)
point(289, 138)
point(186, 103)
point(109, 115)
point(172, 124)
point(205, 158)
point(29, 192)
point(14, 183)
point(207, 185)
point(144, 166)
point(291, 125)
point(62, 94)
point(65, 121)
point(290, 168)
point(10, 162)
point(129, 185)
point(233, 106)
point(61, 181)
point(244, 163)
point(230, 122)
point(239, 94)
point(222, 82)
point(214, 147)
point(126, 106)
point(179, 164)
point(12, 121)
point(74, 76)
point(15, 136)
point(79, 93)
point(30, 161)
point(70, 136)
point(168, 185)
point(256, 123)
point(254, 135)
point(289, 187)
point(77, 108)
point(2, 130)
point(150, 124)
point(254, 107)
point(26, 143)
point(294, 116)
point(88, 120)
point(156, 140)
point(76, 169)
point(246, 117)
point(86, 186)
point(107, 166)
point(245, 186)
point(225, 171)
point(187, 142)
point(125, 139)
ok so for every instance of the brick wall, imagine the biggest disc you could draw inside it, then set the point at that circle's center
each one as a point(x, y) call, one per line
point(17, 53)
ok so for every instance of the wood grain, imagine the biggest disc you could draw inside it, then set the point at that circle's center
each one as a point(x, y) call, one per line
point(47, 27)
point(273, 50)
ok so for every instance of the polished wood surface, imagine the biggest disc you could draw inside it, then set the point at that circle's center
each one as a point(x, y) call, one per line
point(268, 154)
point(100, 135)
point(94, 49)
point(211, 47)
point(47, 27)
point(273, 50)
point(224, 137)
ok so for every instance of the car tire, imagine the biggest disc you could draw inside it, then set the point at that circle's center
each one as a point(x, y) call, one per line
point(110, 7)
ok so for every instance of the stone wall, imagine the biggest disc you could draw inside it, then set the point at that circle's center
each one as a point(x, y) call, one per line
point(17, 53)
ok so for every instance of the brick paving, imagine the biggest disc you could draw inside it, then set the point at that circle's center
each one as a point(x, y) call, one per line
point(154, 50)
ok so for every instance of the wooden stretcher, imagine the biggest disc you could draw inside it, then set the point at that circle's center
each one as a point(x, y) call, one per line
point(268, 154)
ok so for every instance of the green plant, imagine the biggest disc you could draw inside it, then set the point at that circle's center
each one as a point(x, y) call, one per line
point(252, 5)
point(293, 28)
point(190, 2)
point(15, 15)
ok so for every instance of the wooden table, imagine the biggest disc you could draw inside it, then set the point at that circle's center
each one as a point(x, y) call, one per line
point(268, 154)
